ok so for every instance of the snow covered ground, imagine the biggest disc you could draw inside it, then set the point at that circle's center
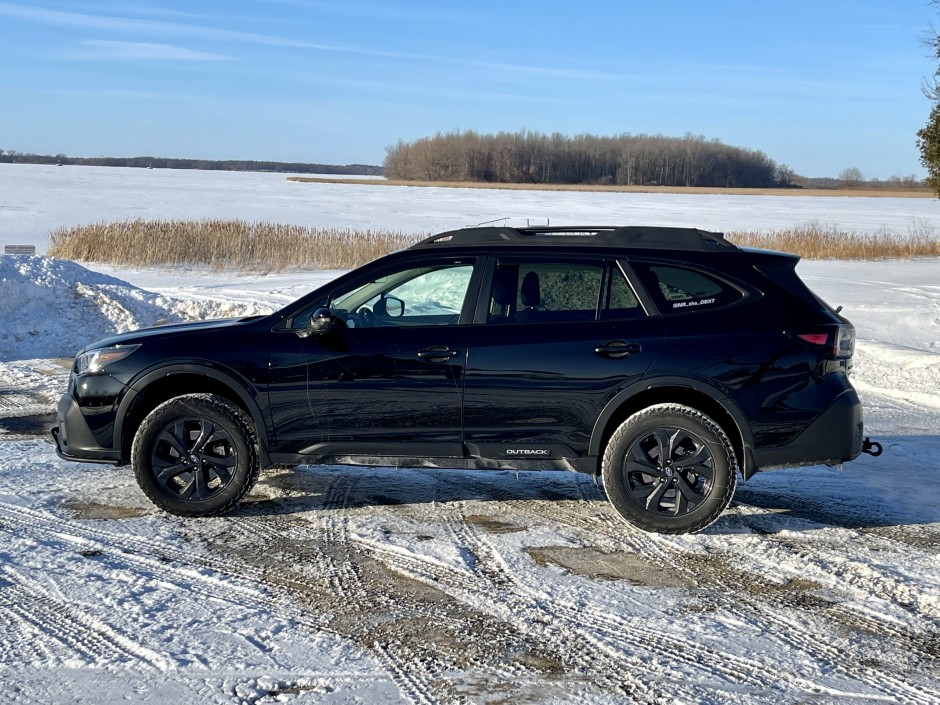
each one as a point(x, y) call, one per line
point(341, 585)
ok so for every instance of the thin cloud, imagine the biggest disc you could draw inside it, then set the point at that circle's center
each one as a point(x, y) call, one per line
point(413, 88)
point(123, 24)
point(383, 10)
point(101, 49)
point(549, 72)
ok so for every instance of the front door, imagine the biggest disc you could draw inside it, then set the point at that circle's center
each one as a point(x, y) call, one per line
point(387, 380)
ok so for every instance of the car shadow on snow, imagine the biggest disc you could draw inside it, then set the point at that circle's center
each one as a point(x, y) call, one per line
point(308, 488)
point(899, 489)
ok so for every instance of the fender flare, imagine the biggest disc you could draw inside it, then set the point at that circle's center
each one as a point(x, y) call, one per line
point(747, 463)
point(241, 387)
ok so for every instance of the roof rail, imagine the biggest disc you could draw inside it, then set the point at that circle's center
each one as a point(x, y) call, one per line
point(637, 236)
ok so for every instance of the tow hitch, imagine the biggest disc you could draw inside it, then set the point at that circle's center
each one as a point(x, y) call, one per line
point(873, 448)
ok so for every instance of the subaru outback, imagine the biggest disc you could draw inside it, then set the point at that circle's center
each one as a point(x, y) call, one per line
point(668, 361)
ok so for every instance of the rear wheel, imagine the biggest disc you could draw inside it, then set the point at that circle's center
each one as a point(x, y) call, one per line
point(196, 455)
point(670, 469)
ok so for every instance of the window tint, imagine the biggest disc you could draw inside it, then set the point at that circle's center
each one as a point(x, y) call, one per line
point(621, 299)
point(680, 290)
point(550, 292)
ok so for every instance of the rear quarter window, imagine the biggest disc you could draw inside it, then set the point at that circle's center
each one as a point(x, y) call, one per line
point(677, 289)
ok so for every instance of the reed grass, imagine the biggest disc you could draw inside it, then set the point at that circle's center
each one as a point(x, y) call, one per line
point(224, 244)
point(816, 241)
point(262, 246)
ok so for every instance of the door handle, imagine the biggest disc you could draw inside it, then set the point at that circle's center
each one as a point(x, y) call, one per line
point(438, 353)
point(618, 348)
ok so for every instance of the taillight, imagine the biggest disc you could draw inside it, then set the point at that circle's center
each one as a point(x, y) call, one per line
point(814, 338)
point(838, 341)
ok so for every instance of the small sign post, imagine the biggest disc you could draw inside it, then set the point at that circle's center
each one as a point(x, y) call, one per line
point(19, 249)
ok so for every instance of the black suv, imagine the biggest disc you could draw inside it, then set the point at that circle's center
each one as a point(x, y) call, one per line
point(666, 360)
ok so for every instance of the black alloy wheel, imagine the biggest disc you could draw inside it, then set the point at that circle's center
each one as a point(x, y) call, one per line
point(669, 469)
point(196, 455)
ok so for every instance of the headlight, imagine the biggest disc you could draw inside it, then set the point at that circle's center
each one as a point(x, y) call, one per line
point(96, 360)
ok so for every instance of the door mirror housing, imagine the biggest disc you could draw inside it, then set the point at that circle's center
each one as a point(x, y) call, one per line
point(389, 307)
point(321, 322)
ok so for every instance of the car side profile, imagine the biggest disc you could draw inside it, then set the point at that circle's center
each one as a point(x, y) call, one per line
point(668, 361)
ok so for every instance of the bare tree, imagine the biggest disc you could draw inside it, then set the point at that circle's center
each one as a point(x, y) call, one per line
point(852, 176)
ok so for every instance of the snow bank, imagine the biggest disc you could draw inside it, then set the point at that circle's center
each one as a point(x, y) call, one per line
point(52, 307)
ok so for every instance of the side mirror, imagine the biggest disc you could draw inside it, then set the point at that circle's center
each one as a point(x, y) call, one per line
point(321, 322)
point(392, 306)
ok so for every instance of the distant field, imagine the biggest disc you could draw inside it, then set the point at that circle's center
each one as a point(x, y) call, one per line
point(263, 246)
point(704, 191)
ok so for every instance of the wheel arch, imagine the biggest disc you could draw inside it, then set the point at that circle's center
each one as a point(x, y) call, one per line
point(678, 390)
point(164, 383)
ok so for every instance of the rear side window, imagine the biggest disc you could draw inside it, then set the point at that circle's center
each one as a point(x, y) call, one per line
point(684, 290)
point(560, 292)
point(545, 292)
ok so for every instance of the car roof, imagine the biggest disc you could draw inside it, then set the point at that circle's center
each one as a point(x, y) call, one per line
point(632, 237)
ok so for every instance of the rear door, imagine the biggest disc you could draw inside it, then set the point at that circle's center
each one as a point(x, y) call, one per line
point(555, 339)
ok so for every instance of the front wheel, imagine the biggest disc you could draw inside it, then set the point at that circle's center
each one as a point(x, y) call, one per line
point(670, 469)
point(196, 455)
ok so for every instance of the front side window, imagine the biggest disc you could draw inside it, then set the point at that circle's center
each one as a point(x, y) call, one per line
point(429, 295)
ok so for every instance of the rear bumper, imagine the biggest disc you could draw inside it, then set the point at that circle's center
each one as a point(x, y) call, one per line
point(834, 437)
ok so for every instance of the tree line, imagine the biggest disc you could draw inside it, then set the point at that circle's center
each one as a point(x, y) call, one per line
point(12, 156)
point(626, 159)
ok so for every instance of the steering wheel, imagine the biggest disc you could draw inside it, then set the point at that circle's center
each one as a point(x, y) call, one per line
point(365, 317)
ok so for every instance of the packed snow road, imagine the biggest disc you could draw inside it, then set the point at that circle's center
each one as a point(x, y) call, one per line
point(339, 585)
point(429, 586)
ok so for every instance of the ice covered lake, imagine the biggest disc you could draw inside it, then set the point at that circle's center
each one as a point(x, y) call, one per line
point(34, 199)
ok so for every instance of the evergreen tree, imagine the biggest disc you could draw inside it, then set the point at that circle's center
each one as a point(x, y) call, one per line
point(928, 141)
point(928, 137)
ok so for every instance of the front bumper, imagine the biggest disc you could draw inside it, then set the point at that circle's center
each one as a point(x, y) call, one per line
point(74, 438)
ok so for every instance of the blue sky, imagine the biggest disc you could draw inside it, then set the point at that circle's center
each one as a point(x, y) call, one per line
point(819, 86)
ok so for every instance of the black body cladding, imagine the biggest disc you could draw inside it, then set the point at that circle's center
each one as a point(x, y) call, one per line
point(503, 347)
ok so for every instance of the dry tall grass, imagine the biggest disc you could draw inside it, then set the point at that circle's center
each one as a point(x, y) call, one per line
point(829, 242)
point(233, 244)
point(224, 244)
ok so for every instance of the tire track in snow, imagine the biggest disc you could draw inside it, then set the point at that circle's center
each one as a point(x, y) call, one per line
point(862, 577)
point(66, 623)
point(22, 642)
point(771, 612)
point(488, 590)
point(415, 689)
point(228, 582)
point(414, 682)
point(631, 635)
point(760, 610)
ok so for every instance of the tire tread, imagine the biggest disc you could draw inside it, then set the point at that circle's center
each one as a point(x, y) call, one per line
point(653, 412)
point(222, 406)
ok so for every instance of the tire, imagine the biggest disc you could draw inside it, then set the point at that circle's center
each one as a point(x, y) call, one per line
point(688, 491)
point(196, 455)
